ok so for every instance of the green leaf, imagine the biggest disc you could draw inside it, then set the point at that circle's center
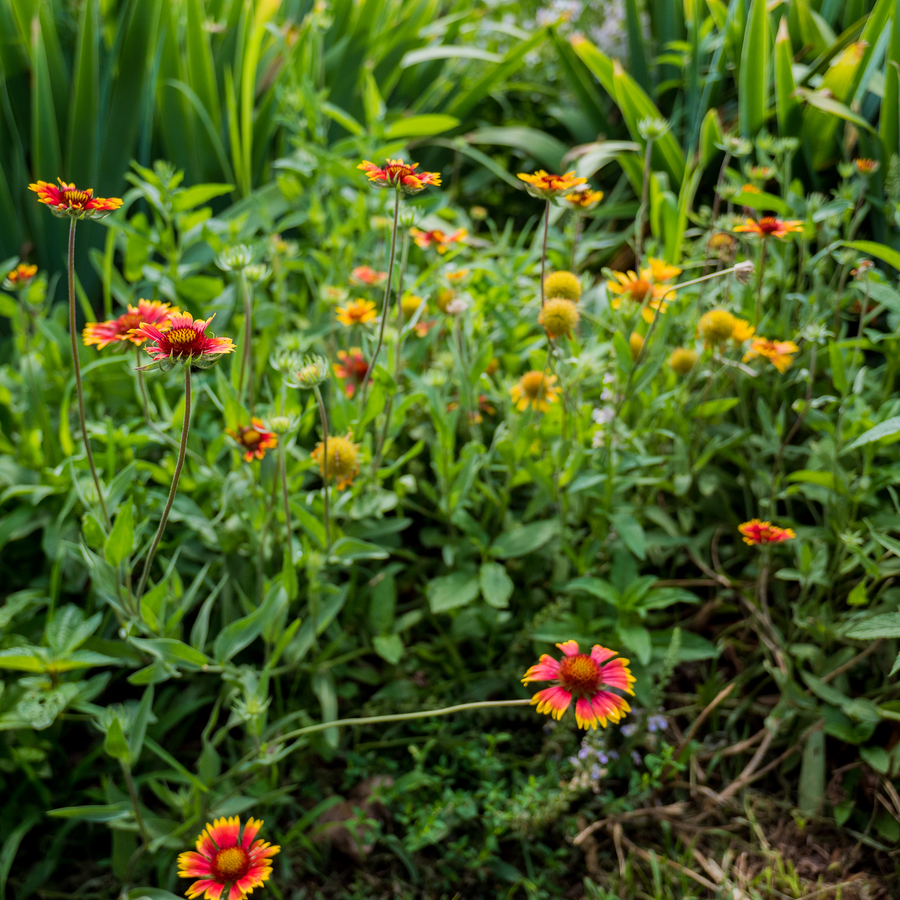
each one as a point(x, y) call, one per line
point(197, 195)
point(452, 591)
point(525, 539)
point(838, 372)
point(712, 408)
point(623, 353)
point(389, 647)
point(421, 126)
point(886, 625)
point(823, 479)
point(175, 652)
point(496, 585)
point(811, 788)
point(876, 757)
point(11, 846)
point(762, 202)
point(630, 532)
point(859, 596)
point(787, 107)
point(120, 542)
point(104, 813)
point(115, 744)
point(383, 604)
point(242, 632)
point(636, 640)
point(889, 429)
point(546, 149)
point(872, 248)
point(139, 727)
point(289, 574)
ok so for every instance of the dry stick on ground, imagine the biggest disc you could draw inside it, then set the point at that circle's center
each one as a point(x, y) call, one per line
point(856, 659)
point(734, 749)
point(644, 855)
point(705, 714)
point(673, 810)
point(749, 769)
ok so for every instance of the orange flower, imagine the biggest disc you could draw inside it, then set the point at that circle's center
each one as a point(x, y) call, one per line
point(743, 331)
point(545, 186)
point(756, 533)
point(584, 199)
point(67, 201)
point(866, 166)
point(367, 275)
point(124, 328)
point(353, 367)
point(634, 287)
point(254, 439)
point(357, 312)
point(662, 271)
point(397, 173)
point(184, 340)
point(20, 277)
point(769, 226)
point(777, 352)
point(441, 241)
point(535, 389)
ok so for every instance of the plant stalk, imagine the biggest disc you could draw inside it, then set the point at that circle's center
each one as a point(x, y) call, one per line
point(247, 355)
point(324, 418)
point(645, 192)
point(544, 250)
point(759, 281)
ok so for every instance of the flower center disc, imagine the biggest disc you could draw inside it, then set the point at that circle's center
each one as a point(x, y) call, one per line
point(639, 289)
point(533, 385)
point(76, 198)
point(231, 864)
point(252, 437)
point(579, 674)
point(181, 336)
point(129, 321)
point(768, 225)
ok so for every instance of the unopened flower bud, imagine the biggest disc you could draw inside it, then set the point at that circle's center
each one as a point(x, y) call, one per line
point(312, 373)
point(743, 271)
point(234, 258)
point(653, 128)
point(282, 424)
point(257, 272)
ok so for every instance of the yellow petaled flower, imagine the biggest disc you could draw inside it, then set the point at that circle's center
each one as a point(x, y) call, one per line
point(457, 276)
point(584, 199)
point(254, 439)
point(152, 312)
point(20, 277)
point(682, 360)
point(357, 312)
point(769, 226)
point(562, 284)
point(545, 186)
point(342, 461)
point(68, 201)
point(396, 173)
point(558, 316)
point(634, 287)
point(743, 331)
point(866, 166)
point(750, 189)
point(535, 389)
point(444, 298)
point(662, 271)
point(716, 326)
point(779, 353)
point(409, 304)
point(636, 343)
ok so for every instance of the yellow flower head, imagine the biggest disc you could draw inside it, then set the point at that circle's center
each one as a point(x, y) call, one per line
point(342, 462)
point(662, 271)
point(636, 343)
point(584, 199)
point(559, 316)
point(409, 304)
point(779, 353)
point(545, 186)
point(743, 331)
point(444, 298)
point(716, 326)
point(535, 389)
point(722, 245)
point(562, 284)
point(683, 360)
point(634, 287)
point(357, 312)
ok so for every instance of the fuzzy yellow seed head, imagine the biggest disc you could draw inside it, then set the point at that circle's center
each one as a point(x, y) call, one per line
point(562, 284)
point(410, 303)
point(716, 326)
point(682, 360)
point(342, 460)
point(559, 316)
point(636, 342)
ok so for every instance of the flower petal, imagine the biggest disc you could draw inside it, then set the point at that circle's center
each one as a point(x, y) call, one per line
point(553, 700)
point(585, 715)
point(570, 648)
point(225, 832)
point(546, 669)
point(194, 865)
point(601, 654)
point(212, 888)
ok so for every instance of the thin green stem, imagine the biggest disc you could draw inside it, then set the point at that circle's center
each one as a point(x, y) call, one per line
point(284, 494)
point(135, 803)
point(544, 249)
point(247, 355)
point(324, 418)
point(639, 225)
point(759, 281)
point(76, 363)
point(185, 429)
point(575, 236)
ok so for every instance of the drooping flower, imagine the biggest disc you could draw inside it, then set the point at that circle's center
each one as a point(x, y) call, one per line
point(779, 353)
point(634, 287)
point(584, 199)
point(436, 238)
point(769, 226)
point(352, 368)
point(124, 328)
point(20, 277)
point(367, 275)
point(562, 284)
point(558, 316)
point(357, 312)
point(756, 533)
point(342, 461)
point(743, 331)
point(67, 201)
point(184, 341)
point(545, 186)
point(716, 326)
point(254, 438)
point(586, 678)
point(682, 360)
point(535, 389)
point(223, 860)
point(397, 173)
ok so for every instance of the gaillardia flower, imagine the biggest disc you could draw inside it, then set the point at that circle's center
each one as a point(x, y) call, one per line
point(66, 201)
point(223, 860)
point(20, 277)
point(254, 439)
point(410, 305)
point(185, 341)
point(124, 328)
point(662, 271)
point(440, 240)
point(545, 186)
point(756, 533)
point(342, 461)
point(637, 288)
point(397, 173)
point(779, 353)
point(535, 389)
point(769, 226)
point(743, 331)
point(866, 166)
point(583, 676)
point(584, 199)
point(367, 275)
point(558, 316)
point(562, 284)
point(353, 368)
point(716, 326)
point(357, 312)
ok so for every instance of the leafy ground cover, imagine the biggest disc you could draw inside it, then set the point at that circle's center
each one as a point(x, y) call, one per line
point(401, 431)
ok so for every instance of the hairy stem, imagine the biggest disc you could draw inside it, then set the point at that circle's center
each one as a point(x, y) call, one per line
point(324, 418)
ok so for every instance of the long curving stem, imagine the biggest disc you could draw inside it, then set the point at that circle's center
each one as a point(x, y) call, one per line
point(247, 355)
point(185, 429)
point(76, 363)
point(544, 250)
point(324, 418)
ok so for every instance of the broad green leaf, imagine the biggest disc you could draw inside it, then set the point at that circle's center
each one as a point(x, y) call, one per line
point(887, 625)
point(872, 248)
point(811, 788)
point(382, 604)
point(421, 126)
point(524, 539)
point(635, 640)
point(823, 479)
point(452, 591)
point(877, 757)
point(389, 647)
point(172, 651)
point(496, 585)
point(712, 408)
point(889, 429)
point(787, 107)
point(195, 196)
point(242, 632)
point(546, 149)
point(630, 532)
point(120, 542)
point(753, 77)
point(762, 202)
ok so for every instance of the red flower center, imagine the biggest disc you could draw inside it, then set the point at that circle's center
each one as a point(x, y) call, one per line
point(125, 323)
point(768, 225)
point(395, 172)
point(181, 336)
point(76, 198)
point(579, 674)
point(251, 437)
point(231, 864)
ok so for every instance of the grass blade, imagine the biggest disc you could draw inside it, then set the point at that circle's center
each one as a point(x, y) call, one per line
point(753, 80)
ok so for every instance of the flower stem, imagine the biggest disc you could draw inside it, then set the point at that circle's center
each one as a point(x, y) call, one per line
point(544, 249)
point(324, 418)
point(645, 192)
point(185, 428)
point(759, 282)
point(384, 306)
point(247, 356)
point(76, 363)
point(575, 237)
point(135, 803)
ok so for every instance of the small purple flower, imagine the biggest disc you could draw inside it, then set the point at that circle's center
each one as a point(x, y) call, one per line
point(573, 760)
point(603, 415)
point(613, 754)
point(595, 773)
point(628, 730)
point(602, 757)
point(636, 757)
point(657, 723)
point(584, 752)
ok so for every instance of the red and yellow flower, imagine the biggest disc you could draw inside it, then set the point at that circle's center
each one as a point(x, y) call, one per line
point(225, 859)
point(440, 240)
point(866, 166)
point(535, 389)
point(367, 275)
point(586, 677)
point(779, 353)
point(20, 277)
point(353, 368)
point(396, 173)
point(756, 533)
point(642, 289)
point(254, 438)
point(184, 341)
point(769, 226)
point(584, 199)
point(357, 312)
point(68, 201)
point(545, 186)
point(124, 328)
